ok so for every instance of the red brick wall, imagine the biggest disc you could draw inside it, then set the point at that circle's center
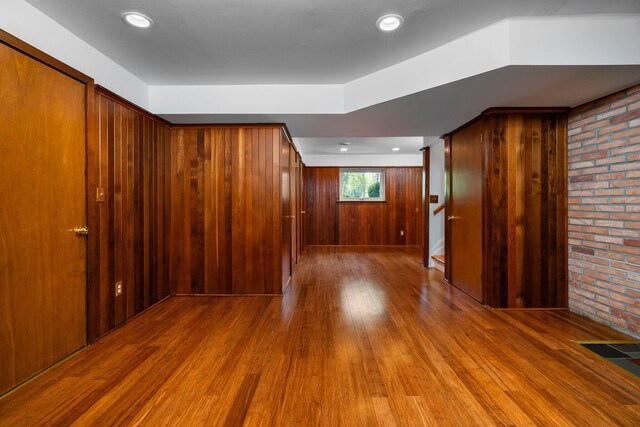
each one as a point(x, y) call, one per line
point(604, 210)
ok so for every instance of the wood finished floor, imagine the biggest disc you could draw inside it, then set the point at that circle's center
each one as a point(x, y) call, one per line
point(364, 337)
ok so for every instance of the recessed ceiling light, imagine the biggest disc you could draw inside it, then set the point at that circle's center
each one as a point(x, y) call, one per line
point(389, 23)
point(136, 19)
point(344, 149)
point(395, 149)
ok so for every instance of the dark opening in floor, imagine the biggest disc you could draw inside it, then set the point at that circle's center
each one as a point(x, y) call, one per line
point(624, 354)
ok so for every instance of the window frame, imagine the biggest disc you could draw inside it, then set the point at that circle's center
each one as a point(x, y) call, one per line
point(380, 171)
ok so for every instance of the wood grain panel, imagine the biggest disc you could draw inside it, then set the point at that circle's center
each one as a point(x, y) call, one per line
point(360, 222)
point(526, 248)
point(226, 218)
point(295, 209)
point(301, 212)
point(321, 197)
point(43, 272)
point(523, 205)
point(465, 210)
point(286, 208)
point(397, 221)
point(525, 222)
point(132, 169)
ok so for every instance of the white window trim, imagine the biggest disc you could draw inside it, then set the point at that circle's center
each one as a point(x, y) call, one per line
point(381, 171)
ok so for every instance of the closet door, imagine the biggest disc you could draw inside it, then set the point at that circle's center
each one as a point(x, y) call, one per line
point(42, 183)
point(465, 210)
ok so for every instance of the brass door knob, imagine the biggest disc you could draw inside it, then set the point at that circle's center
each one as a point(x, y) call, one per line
point(451, 217)
point(81, 231)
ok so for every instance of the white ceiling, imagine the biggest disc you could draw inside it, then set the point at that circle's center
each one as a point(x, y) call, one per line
point(286, 41)
point(406, 145)
point(326, 71)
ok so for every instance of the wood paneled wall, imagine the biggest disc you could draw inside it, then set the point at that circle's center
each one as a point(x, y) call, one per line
point(295, 208)
point(321, 197)
point(226, 214)
point(301, 212)
point(132, 158)
point(331, 222)
point(299, 217)
point(169, 210)
point(525, 212)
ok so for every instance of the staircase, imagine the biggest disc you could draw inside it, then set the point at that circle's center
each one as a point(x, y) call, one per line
point(438, 261)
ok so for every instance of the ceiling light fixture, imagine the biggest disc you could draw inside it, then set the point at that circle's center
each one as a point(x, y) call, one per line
point(136, 19)
point(344, 149)
point(395, 149)
point(389, 23)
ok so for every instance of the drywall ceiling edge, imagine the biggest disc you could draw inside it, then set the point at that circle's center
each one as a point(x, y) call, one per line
point(510, 42)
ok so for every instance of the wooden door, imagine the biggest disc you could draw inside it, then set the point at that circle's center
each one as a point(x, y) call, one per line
point(285, 171)
point(42, 183)
point(465, 210)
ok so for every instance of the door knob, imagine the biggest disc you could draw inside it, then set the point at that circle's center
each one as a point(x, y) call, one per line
point(81, 231)
point(451, 217)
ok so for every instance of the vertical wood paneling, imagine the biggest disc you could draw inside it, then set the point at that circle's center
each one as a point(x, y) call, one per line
point(321, 196)
point(132, 157)
point(225, 194)
point(447, 204)
point(501, 207)
point(330, 222)
point(525, 257)
point(301, 212)
point(293, 181)
point(560, 243)
point(277, 207)
point(286, 211)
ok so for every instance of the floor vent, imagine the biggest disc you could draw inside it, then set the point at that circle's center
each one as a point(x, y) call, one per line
point(625, 354)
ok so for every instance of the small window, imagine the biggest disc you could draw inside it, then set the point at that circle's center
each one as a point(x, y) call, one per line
point(362, 185)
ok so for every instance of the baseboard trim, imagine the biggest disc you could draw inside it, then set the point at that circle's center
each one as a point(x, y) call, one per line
point(41, 372)
point(129, 319)
point(226, 295)
point(529, 309)
point(366, 246)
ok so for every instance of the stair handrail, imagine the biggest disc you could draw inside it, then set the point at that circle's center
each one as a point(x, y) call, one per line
point(438, 209)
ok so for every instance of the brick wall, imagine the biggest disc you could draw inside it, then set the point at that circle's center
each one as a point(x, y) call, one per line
point(604, 210)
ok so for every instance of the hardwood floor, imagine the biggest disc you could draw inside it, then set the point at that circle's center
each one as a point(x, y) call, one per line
point(364, 336)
